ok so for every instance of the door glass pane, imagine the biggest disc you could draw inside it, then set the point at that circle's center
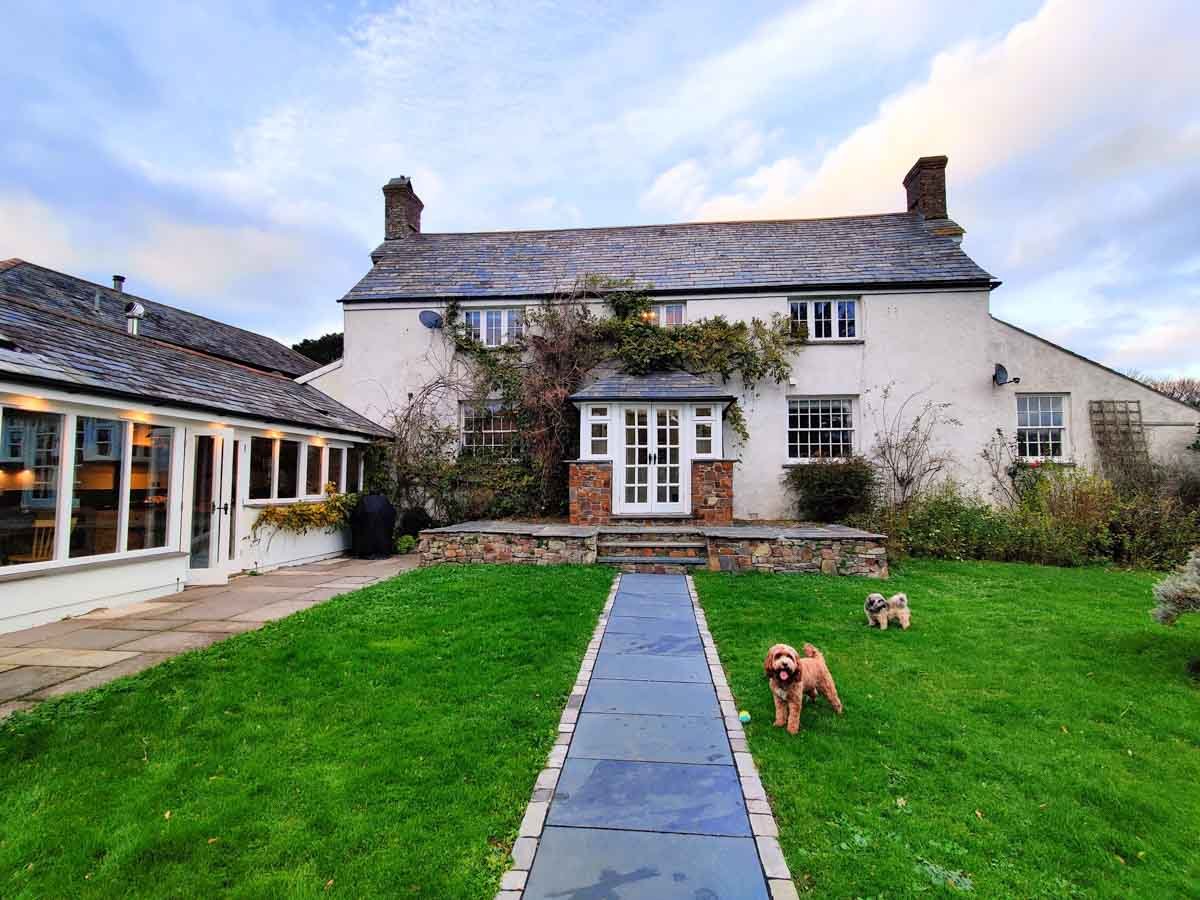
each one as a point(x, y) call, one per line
point(233, 500)
point(96, 490)
point(637, 456)
point(666, 473)
point(312, 475)
point(354, 457)
point(335, 469)
point(289, 470)
point(29, 457)
point(149, 485)
point(202, 501)
point(261, 467)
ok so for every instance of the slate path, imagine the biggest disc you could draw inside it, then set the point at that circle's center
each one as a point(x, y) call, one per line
point(90, 650)
point(648, 803)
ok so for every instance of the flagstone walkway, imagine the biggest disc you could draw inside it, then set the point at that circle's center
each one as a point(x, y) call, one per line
point(651, 797)
point(93, 649)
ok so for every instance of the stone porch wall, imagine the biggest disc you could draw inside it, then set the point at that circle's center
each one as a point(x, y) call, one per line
point(590, 486)
point(712, 491)
point(859, 555)
point(440, 546)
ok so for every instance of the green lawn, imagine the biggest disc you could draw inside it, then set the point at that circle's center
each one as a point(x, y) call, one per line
point(1034, 734)
point(384, 743)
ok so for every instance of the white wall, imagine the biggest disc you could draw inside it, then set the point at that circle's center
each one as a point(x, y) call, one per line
point(941, 345)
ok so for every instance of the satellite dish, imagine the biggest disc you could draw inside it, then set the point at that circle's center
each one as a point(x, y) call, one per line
point(1000, 376)
point(430, 319)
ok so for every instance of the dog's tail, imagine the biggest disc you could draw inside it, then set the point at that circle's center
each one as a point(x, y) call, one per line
point(898, 600)
point(811, 651)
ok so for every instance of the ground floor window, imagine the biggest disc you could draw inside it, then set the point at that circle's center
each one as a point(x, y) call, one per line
point(354, 470)
point(488, 430)
point(96, 493)
point(313, 483)
point(262, 468)
point(288, 477)
point(149, 485)
point(1041, 426)
point(820, 427)
point(29, 466)
point(335, 469)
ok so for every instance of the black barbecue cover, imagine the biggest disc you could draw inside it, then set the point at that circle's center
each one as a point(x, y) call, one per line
point(372, 524)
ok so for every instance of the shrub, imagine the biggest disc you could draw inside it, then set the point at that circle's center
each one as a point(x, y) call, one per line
point(406, 543)
point(1179, 593)
point(830, 490)
point(1154, 531)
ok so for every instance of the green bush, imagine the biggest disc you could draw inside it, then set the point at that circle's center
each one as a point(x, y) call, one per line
point(406, 543)
point(831, 490)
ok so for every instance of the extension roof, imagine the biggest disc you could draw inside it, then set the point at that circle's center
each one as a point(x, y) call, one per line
point(58, 292)
point(42, 346)
point(655, 386)
point(852, 252)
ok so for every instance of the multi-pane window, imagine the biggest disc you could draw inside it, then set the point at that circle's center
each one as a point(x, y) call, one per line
point(595, 432)
point(494, 327)
point(827, 320)
point(820, 428)
point(149, 485)
point(1040, 426)
point(704, 423)
point(488, 430)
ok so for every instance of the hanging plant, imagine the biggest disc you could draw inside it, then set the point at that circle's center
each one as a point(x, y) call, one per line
point(329, 515)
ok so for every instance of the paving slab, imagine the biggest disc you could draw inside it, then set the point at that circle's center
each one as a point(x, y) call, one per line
point(604, 864)
point(59, 656)
point(653, 698)
point(651, 628)
point(273, 611)
point(678, 739)
point(636, 583)
point(11, 706)
point(635, 667)
point(653, 609)
point(137, 623)
point(649, 796)
point(149, 608)
point(222, 627)
point(27, 679)
point(172, 641)
point(97, 677)
point(658, 645)
point(40, 632)
point(91, 639)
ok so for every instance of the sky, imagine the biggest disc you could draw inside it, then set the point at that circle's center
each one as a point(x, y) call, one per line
point(227, 157)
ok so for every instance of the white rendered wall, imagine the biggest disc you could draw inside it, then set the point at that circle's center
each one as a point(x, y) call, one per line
point(941, 345)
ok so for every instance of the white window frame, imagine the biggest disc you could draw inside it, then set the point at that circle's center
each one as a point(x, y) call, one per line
point(510, 324)
point(713, 420)
point(1064, 429)
point(662, 314)
point(851, 399)
point(322, 464)
point(836, 328)
point(600, 414)
point(494, 406)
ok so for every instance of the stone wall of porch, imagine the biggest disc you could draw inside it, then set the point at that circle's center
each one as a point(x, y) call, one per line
point(590, 499)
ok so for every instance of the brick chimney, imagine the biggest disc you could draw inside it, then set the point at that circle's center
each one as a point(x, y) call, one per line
point(925, 184)
point(401, 209)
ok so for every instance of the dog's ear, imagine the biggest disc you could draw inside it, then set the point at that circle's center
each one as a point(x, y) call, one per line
point(811, 651)
point(767, 662)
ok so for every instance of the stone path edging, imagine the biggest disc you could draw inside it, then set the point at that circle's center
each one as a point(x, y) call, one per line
point(762, 821)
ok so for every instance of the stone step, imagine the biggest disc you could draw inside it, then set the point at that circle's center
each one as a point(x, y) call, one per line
point(674, 545)
point(652, 560)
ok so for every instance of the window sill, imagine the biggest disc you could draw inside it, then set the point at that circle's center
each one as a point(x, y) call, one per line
point(823, 342)
point(797, 463)
point(23, 571)
point(289, 501)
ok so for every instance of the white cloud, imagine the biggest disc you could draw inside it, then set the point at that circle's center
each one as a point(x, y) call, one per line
point(680, 189)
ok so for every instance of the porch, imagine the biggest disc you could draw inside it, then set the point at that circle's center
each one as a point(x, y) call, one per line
point(662, 548)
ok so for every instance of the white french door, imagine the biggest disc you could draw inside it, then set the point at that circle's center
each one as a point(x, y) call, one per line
point(209, 507)
point(652, 470)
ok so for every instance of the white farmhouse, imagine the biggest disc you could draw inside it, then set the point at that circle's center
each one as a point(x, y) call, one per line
point(888, 300)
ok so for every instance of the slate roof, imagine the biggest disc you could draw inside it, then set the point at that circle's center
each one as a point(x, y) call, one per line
point(73, 296)
point(655, 386)
point(41, 346)
point(837, 253)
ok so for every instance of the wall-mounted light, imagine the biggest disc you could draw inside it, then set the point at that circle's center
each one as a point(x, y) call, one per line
point(1000, 377)
point(648, 316)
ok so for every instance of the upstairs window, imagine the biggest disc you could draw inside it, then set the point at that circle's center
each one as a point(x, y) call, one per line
point(827, 320)
point(1041, 426)
point(495, 327)
point(488, 430)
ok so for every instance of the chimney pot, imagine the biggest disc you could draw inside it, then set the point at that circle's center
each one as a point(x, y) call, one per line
point(134, 313)
point(119, 283)
point(401, 209)
point(926, 187)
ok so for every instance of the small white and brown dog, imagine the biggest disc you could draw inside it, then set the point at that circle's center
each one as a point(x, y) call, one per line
point(880, 610)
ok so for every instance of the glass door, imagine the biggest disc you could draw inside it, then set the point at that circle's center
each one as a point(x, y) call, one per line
point(208, 504)
point(652, 477)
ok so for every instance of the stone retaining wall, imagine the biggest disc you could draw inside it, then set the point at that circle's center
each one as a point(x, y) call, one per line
point(590, 492)
point(851, 556)
point(712, 491)
point(520, 549)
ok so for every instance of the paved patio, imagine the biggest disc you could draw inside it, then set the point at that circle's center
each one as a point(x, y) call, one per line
point(93, 649)
point(655, 795)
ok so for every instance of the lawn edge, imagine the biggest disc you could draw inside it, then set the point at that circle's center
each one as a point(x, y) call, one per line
point(762, 819)
point(512, 883)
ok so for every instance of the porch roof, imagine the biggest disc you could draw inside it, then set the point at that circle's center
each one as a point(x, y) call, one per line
point(654, 386)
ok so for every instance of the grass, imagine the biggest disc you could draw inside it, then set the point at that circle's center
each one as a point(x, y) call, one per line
point(383, 743)
point(1035, 734)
